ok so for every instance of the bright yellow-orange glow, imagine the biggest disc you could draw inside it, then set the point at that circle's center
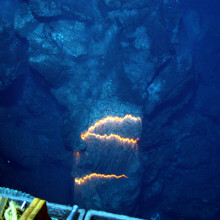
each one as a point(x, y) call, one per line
point(86, 178)
point(109, 137)
point(113, 119)
point(109, 119)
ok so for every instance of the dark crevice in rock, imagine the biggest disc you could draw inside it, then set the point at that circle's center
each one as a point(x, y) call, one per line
point(39, 79)
point(186, 108)
point(24, 42)
point(160, 69)
point(155, 198)
point(156, 74)
point(189, 88)
point(103, 8)
point(46, 87)
point(125, 86)
point(74, 16)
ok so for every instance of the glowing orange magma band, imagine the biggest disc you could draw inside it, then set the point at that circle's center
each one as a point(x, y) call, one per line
point(84, 179)
point(107, 137)
point(112, 119)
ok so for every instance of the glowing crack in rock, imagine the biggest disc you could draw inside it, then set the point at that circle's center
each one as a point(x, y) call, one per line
point(107, 120)
point(112, 119)
point(108, 137)
point(110, 158)
point(86, 178)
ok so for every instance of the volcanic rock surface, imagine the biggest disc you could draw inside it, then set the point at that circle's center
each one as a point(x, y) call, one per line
point(67, 64)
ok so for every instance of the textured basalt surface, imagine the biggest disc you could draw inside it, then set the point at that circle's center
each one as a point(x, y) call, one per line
point(67, 64)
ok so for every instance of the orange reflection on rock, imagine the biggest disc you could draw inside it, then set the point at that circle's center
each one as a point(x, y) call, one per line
point(77, 155)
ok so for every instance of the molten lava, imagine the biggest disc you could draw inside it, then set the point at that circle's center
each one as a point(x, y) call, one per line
point(113, 119)
point(108, 120)
point(109, 137)
point(86, 178)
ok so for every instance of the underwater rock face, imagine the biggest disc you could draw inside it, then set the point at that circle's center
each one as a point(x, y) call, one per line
point(67, 64)
point(108, 172)
point(45, 8)
point(12, 56)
